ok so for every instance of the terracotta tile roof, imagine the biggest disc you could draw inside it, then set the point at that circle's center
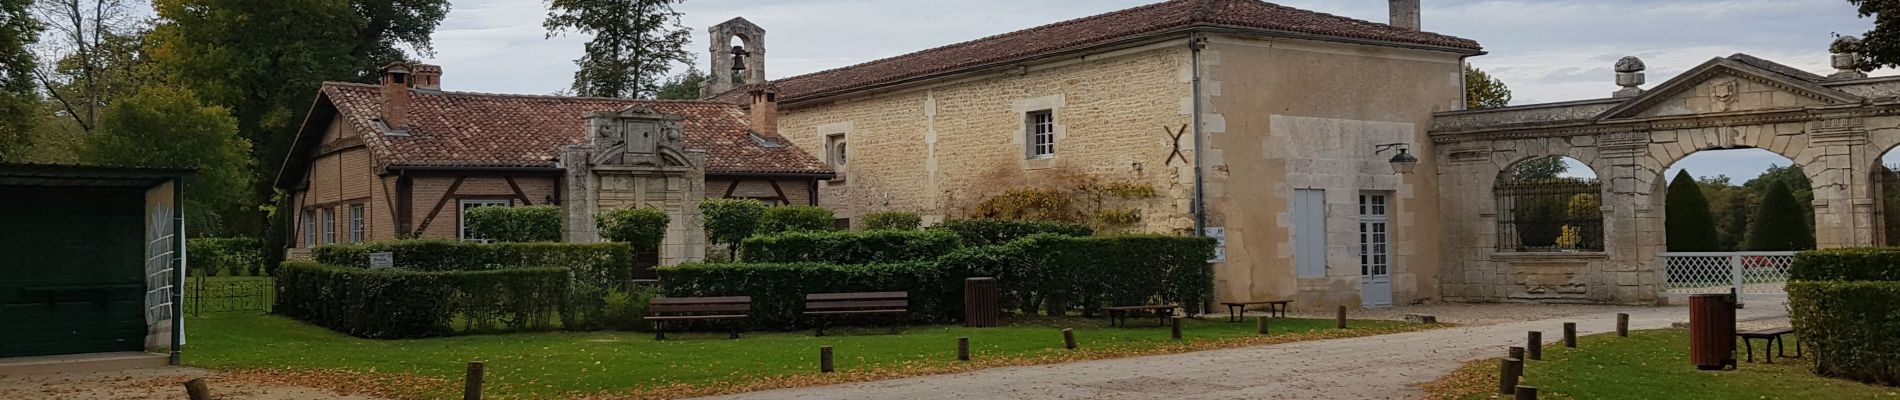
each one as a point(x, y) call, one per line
point(1098, 30)
point(497, 130)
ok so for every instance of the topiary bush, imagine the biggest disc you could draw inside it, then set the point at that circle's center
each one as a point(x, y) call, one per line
point(1688, 223)
point(1841, 303)
point(842, 247)
point(516, 224)
point(778, 290)
point(240, 256)
point(1779, 224)
point(397, 303)
point(892, 220)
point(643, 228)
point(729, 221)
point(985, 232)
point(795, 219)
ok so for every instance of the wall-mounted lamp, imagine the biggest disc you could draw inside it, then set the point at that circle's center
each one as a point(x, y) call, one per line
point(1404, 162)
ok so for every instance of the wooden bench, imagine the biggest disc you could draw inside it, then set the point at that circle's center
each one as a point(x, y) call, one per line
point(1118, 315)
point(821, 306)
point(1275, 308)
point(1774, 343)
point(668, 309)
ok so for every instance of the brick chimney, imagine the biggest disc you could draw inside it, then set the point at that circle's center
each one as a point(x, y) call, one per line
point(765, 111)
point(1405, 14)
point(396, 80)
point(426, 76)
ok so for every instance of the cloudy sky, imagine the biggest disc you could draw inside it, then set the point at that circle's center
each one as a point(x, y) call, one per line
point(1545, 50)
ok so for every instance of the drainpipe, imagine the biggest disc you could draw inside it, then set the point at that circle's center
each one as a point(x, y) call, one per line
point(1199, 206)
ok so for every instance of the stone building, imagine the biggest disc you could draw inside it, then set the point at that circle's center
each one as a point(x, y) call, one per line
point(405, 159)
point(1255, 122)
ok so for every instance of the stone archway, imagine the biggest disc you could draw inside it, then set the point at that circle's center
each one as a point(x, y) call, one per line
point(1830, 128)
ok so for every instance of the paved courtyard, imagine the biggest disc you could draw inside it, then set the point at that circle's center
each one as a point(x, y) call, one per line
point(1375, 367)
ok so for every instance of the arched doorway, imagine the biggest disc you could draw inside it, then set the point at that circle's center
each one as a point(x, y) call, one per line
point(1733, 218)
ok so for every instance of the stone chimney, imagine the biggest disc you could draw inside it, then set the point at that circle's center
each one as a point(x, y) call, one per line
point(1629, 75)
point(426, 76)
point(1405, 14)
point(1846, 58)
point(396, 80)
point(765, 111)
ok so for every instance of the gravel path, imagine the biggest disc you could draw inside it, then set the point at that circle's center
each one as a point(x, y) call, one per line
point(1375, 367)
point(150, 383)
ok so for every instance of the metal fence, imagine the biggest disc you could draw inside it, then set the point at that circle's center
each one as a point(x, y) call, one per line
point(1748, 272)
point(220, 295)
point(1563, 214)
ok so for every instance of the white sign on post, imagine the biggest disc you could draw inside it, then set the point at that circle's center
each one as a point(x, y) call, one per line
point(382, 260)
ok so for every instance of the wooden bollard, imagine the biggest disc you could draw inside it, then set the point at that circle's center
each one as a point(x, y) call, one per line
point(1342, 317)
point(1263, 325)
point(824, 359)
point(196, 389)
point(1535, 347)
point(1068, 338)
point(1517, 352)
point(1526, 393)
point(1509, 369)
point(1570, 334)
point(472, 384)
point(963, 348)
point(1622, 325)
point(1174, 327)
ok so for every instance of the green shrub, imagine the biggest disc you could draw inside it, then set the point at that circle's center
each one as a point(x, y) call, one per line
point(984, 232)
point(226, 256)
point(1779, 224)
point(843, 247)
point(795, 219)
point(516, 224)
point(894, 220)
point(627, 309)
point(643, 228)
point(1056, 272)
point(1688, 224)
point(778, 290)
point(396, 303)
point(729, 221)
point(1852, 264)
point(1850, 328)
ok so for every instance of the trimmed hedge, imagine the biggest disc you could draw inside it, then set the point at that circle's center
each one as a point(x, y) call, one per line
point(516, 224)
point(1055, 272)
point(1841, 302)
point(1852, 264)
point(778, 290)
point(795, 219)
point(985, 232)
point(395, 303)
point(897, 220)
point(240, 256)
point(598, 267)
point(643, 228)
point(841, 247)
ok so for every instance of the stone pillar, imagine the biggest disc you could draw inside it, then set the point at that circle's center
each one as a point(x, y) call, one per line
point(1839, 163)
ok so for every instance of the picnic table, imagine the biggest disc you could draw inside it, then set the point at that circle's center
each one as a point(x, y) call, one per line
point(1275, 308)
point(1774, 342)
point(1118, 315)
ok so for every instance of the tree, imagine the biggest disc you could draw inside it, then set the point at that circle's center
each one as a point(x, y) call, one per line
point(1792, 177)
point(1777, 225)
point(96, 45)
point(389, 25)
point(1881, 45)
point(1730, 205)
point(1484, 91)
point(18, 101)
point(683, 86)
point(635, 43)
point(729, 221)
point(170, 127)
point(1688, 224)
point(1539, 168)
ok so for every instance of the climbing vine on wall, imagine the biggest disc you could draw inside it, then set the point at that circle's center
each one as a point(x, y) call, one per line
point(1062, 194)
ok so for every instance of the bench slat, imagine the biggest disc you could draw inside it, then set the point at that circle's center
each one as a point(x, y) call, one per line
point(832, 305)
point(692, 317)
point(1154, 307)
point(1769, 331)
point(687, 308)
point(857, 296)
point(856, 312)
point(1250, 303)
point(702, 300)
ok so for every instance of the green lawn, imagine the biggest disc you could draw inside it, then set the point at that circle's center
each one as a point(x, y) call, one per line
point(1654, 365)
point(550, 364)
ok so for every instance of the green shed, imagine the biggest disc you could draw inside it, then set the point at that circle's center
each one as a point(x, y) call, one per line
point(90, 258)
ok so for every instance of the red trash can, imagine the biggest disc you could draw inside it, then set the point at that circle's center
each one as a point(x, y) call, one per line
point(1712, 331)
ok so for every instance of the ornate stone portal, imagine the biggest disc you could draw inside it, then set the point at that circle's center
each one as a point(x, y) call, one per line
point(635, 159)
point(1836, 128)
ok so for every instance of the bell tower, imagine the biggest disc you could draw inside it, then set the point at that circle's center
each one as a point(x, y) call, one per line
point(732, 64)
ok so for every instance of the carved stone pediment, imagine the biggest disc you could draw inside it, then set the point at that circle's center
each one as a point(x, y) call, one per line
point(1725, 85)
point(637, 136)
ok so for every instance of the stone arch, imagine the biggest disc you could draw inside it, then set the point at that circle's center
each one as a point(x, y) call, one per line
point(1542, 205)
point(1660, 188)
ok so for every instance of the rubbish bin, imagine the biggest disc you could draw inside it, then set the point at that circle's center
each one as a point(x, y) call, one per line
point(980, 302)
point(1712, 331)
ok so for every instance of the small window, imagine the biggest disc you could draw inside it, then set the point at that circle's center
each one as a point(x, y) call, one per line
point(356, 223)
point(835, 151)
point(471, 204)
point(328, 226)
point(1041, 131)
point(309, 228)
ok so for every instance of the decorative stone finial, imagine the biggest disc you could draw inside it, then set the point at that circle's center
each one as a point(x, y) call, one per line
point(1846, 57)
point(1629, 75)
